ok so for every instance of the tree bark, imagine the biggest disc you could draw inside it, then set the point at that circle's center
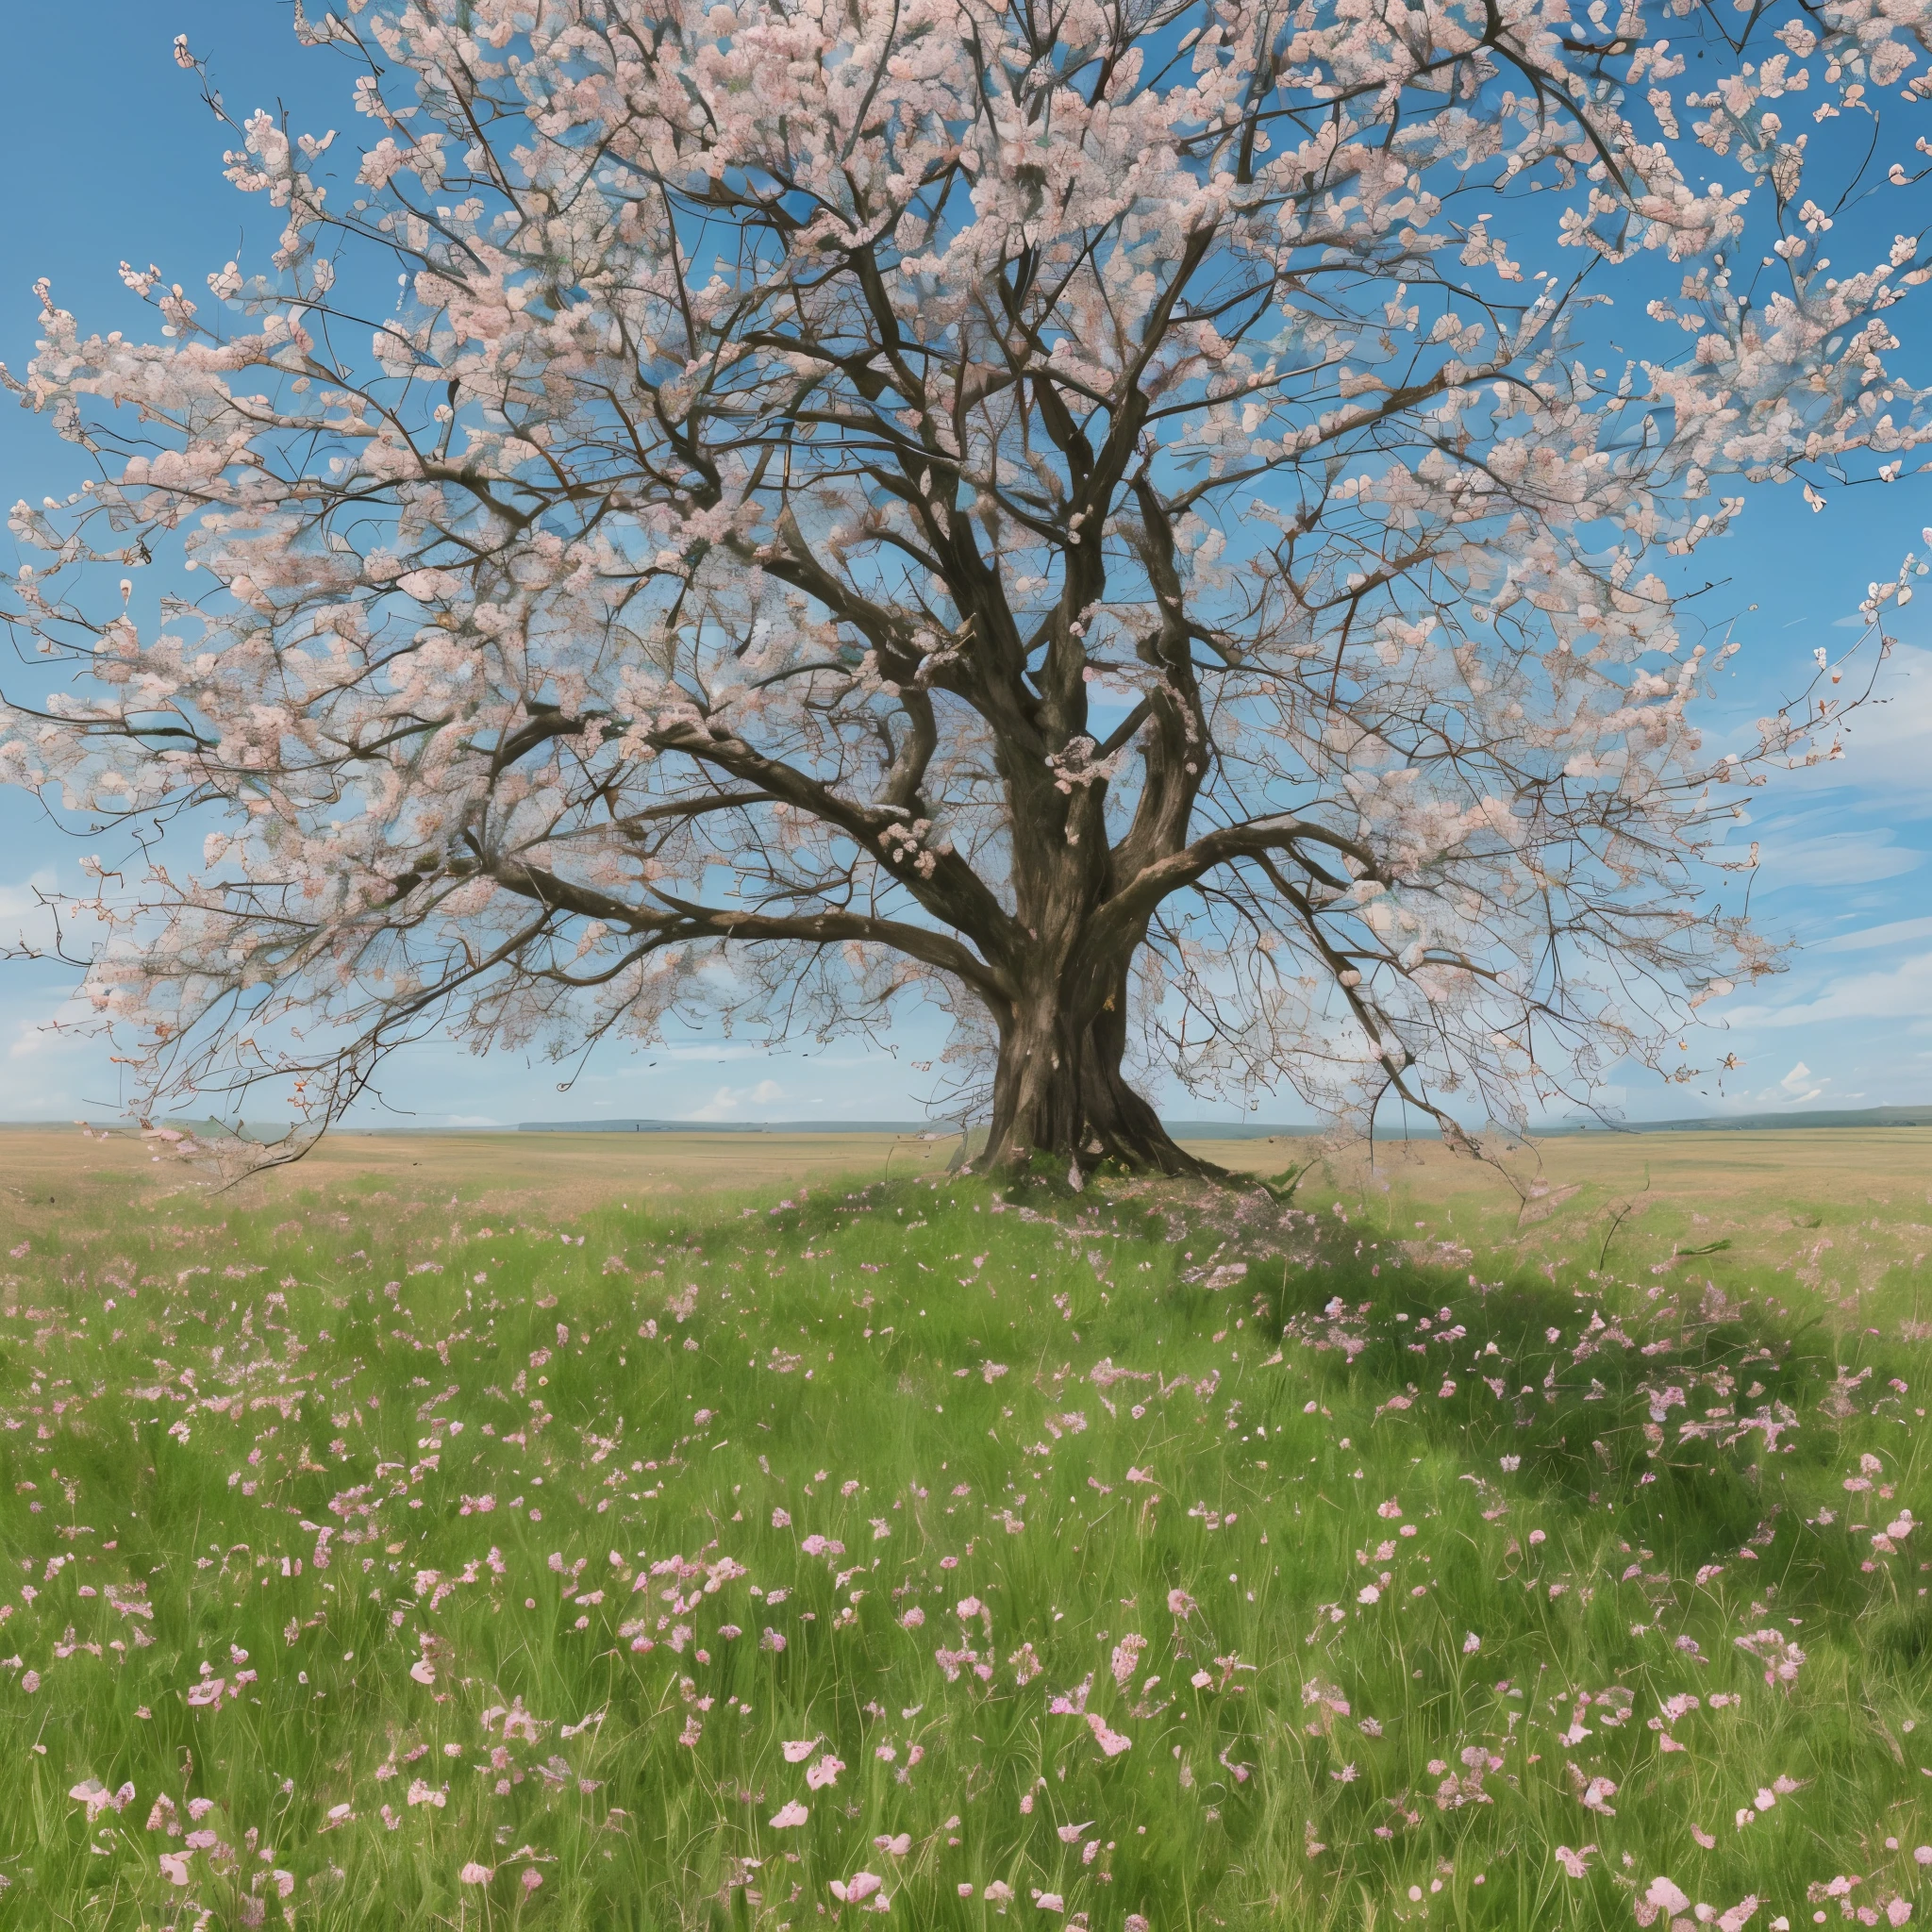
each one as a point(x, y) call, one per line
point(1060, 1092)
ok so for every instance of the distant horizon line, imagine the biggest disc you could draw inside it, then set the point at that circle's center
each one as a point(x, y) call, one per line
point(1903, 1116)
point(1893, 1116)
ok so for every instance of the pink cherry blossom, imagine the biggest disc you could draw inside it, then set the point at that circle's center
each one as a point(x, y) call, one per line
point(383, 629)
point(1670, 1897)
point(98, 1798)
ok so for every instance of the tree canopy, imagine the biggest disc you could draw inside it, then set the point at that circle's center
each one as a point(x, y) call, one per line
point(1118, 518)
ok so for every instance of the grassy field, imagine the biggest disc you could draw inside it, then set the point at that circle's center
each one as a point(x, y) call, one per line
point(532, 1531)
point(1840, 1211)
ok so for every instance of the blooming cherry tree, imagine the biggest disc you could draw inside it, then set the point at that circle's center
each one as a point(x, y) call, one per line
point(1078, 512)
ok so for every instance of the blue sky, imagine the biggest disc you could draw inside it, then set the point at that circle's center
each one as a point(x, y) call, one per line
point(109, 154)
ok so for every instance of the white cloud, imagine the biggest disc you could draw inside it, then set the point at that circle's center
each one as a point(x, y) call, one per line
point(1885, 739)
point(1872, 936)
point(1797, 1086)
point(59, 1032)
point(1904, 992)
point(472, 1120)
point(24, 920)
point(1884, 764)
point(1834, 858)
point(726, 1102)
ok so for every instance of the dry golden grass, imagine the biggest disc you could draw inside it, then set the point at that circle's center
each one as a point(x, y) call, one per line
point(48, 1173)
point(1838, 1209)
point(1830, 1162)
point(1749, 1184)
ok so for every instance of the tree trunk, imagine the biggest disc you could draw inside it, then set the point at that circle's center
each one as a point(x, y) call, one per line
point(1060, 1092)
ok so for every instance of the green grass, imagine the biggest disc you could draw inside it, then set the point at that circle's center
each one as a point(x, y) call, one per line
point(1384, 1525)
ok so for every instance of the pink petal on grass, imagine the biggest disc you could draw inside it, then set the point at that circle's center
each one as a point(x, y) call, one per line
point(1669, 1896)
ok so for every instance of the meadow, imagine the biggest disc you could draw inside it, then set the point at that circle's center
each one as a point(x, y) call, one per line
point(731, 1532)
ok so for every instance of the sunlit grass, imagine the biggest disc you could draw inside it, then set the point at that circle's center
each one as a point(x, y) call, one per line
point(1089, 1573)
